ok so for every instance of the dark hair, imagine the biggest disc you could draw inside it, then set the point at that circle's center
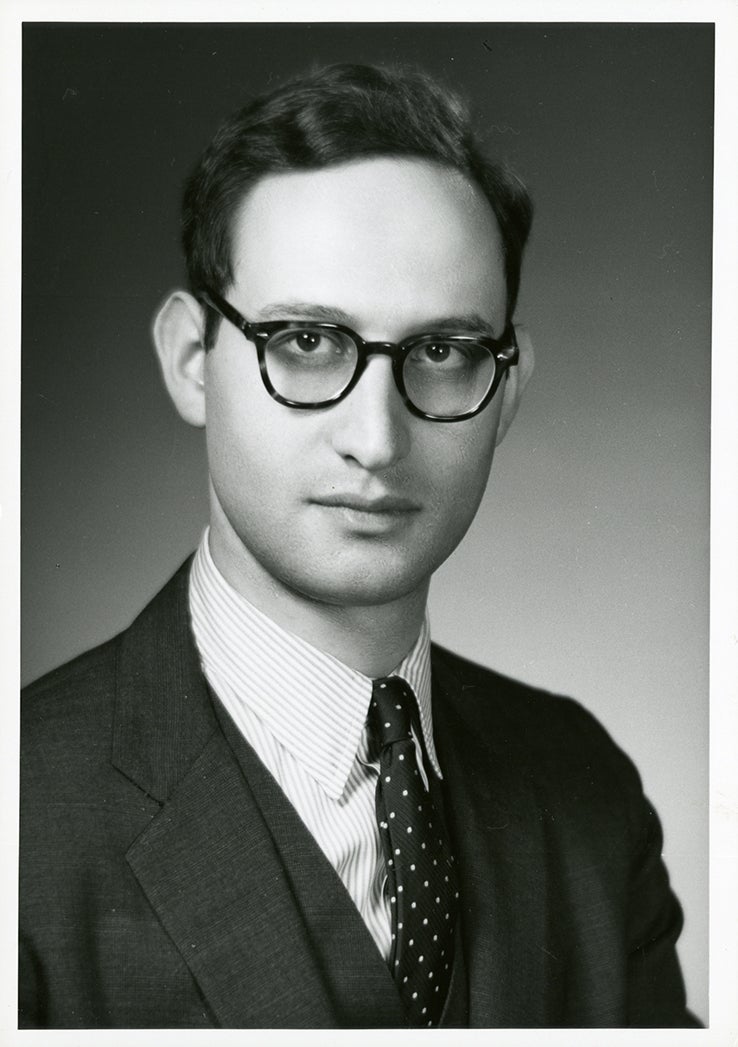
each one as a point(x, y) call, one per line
point(336, 114)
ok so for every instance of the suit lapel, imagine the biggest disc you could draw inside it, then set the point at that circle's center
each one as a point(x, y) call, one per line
point(207, 862)
point(358, 980)
point(209, 869)
point(497, 824)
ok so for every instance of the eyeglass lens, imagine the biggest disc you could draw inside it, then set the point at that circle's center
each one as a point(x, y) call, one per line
point(444, 377)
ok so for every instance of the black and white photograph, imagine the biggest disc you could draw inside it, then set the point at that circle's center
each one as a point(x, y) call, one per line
point(356, 696)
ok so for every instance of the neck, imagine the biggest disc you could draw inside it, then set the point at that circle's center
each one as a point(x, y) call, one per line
point(372, 639)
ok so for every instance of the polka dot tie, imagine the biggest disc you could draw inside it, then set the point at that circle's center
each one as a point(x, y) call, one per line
point(420, 867)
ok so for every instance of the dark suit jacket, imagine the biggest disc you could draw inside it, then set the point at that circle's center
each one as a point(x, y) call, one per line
point(166, 881)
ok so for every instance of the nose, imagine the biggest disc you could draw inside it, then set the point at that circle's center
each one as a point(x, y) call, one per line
point(372, 425)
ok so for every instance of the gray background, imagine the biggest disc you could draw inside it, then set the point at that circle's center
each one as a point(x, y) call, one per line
point(586, 570)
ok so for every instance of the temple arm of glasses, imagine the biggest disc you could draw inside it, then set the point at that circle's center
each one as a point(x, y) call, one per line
point(226, 310)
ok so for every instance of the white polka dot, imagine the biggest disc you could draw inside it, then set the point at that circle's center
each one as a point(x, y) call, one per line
point(446, 915)
point(387, 778)
point(397, 962)
point(392, 814)
point(435, 937)
point(425, 883)
point(409, 828)
point(383, 686)
point(438, 901)
point(420, 959)
point(404, 792)
point(399, 926)
point(393, 937)
point(400, 889)
point(383, 825)
point(423, 846)
point(424, 1010)
point(436, 988)
point(404, 980)
point(402, 758)
point(411, 942)
point(397, 850)
point(388, 724)
point(456, 895)
point(393, 900)
point(430, 974)
point(390, 862)
point(435, 862)
point(425, 921)
point(430, 1025)
point(415, 996)
point(413, 906)
point(398, 707)
point(412, 867)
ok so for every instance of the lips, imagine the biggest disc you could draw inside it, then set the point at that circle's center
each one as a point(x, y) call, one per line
point(381, 504)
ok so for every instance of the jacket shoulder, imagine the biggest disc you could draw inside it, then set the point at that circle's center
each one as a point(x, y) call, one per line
point(67, 728)
point(72, 695)
point(77, 700)
point(486, 692)
point(552, 733)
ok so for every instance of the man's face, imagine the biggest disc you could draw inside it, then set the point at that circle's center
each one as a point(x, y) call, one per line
point(357, 503)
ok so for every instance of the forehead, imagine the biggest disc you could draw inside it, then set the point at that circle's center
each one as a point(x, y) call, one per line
point(384, 239)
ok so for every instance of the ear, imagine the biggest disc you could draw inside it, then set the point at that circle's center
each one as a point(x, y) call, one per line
point(178, 337)
point(515, 381)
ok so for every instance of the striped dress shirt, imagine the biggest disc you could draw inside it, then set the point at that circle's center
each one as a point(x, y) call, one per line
point(304, 713)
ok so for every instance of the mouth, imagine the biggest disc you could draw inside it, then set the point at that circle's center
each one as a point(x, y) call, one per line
point(361, 513)
point(381, 504)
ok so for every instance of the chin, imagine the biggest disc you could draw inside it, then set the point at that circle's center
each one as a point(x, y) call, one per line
point(360, 587)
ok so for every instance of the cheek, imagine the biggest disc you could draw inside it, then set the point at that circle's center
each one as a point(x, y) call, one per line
point(465, 489)
point(261, 456)
point(461, 462)
point(228, 434)
point(242, 439)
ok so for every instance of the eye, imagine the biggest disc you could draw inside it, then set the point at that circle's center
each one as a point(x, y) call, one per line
point(311, 347)
point(310, 342)
point(441, 355)
point(437, 352)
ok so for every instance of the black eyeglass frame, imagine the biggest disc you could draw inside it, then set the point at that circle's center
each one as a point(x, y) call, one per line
point(504, 349)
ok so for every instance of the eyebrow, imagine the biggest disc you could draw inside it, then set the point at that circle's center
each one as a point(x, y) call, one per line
point(333, 314)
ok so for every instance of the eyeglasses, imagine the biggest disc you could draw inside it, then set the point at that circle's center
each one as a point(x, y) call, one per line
point(309, 365)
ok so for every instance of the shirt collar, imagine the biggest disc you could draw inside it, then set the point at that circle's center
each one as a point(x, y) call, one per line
point(313, 704)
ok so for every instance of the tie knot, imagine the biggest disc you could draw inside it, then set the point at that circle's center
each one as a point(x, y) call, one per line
point(391, 710)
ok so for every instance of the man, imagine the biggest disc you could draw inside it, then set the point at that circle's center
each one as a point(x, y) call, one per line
point(270, 803)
